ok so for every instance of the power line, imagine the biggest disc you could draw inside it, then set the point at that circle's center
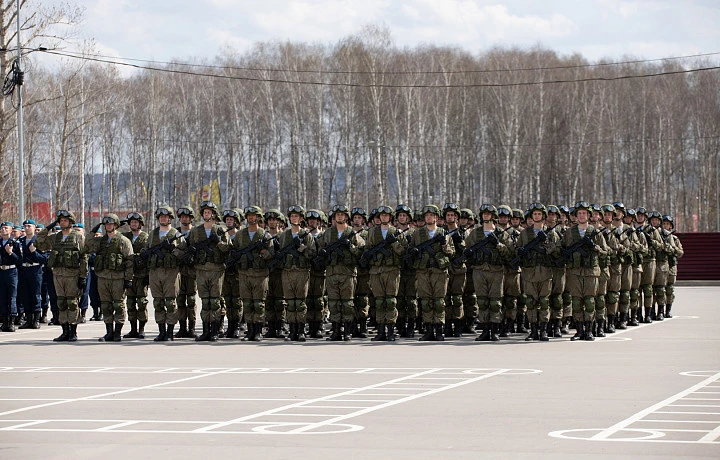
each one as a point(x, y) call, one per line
point(362, 85)
point(388, 72)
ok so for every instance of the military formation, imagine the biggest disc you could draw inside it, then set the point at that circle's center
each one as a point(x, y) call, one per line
point(304, 274)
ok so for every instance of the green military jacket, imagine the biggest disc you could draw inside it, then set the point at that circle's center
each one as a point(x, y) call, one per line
point(572, 236)
point(551, 247)
point(67, 256)
point(393, 252)
point(258, 258)
point(209, 260)
point(498, 255)
point(113, 256)
point(171, 258)
point(140, 243)
point(443, 251)
point(303, 254)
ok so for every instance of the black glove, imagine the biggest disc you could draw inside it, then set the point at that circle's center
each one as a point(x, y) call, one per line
point(128, 284)
point(322, 253)
point(390, 238)
point(542, 236)
point(146, 281)
point(52, 224)
point(588, 242)
point(297, 242)
point(82, 282)
point(95, 229)
point(214, 238)
point(457, 238)
point(123, 222)
point(346, 242)
point(468, 253)
point(440, 238)
point(414, 252)
point(166, 244)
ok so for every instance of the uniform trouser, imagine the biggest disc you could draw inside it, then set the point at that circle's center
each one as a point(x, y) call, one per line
point(407, 305)
point(454, 297)
point(209, 284)
point(341, 291)
point(635, 287)
point(137, 300)
point(661, 275)
point(295, 282)
point(275, 306)
point(362, 293)
point(66, 288)
point(385, 284)
point(488, 282)
point(613, 289)
point(583, 288)
point(670, 286)
point(626, 278)
point(112, 295)
point(600, 305)
point(93, 289)
point(556, 293)
point(253, 292)
point(231, 296)
point(8, 292)
point(470, 306)
point(511, 293)
point(432, 287)
point(646, 282)
point(315, 298)
point(186, 298)
point(29, 288)
point(164, 285)
point(536, 292)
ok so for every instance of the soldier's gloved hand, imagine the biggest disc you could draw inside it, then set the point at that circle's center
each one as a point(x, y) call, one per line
point(542, 236)
point(214, 238)
point(128, 284)
point(96, 228)
point(123, 222)
point(414, 252)
point(467, 253)
point(322, 252)
point(347, 243)
point(390, 238)
point(146, 281)
point(52, 224)
point(440, 238)
point(82, 282)
point(166, 244)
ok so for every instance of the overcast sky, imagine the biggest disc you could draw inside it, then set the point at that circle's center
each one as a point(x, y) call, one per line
point(180, 29)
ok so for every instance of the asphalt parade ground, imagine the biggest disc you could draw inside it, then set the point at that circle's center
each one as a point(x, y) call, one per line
point(650, 391)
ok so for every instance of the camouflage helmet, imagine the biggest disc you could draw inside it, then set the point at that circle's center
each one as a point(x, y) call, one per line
point(257, 210)
point(235, 213)
point(163, 211)
point(186, 211)
point(297, 209)
point(447, 207)
point(488, 208)
point(418, 215)
point(314, 214)
point(619, 206)
point(466, 213)
point(668, 218)
point(65, 213)
point(339, 208)
point(564, 209)
point(359, 212)
point(527, 214)
point(111, 218)
point(641, 210)
point(430, 208)
point(654, 214)
point(608, 208)
point(504, 210)
point(373, 213)
point(383, 209)
point(135, 216)
point(324, 217)
point(404, 208)
point(538, 207)
point(581, 205)
point(631, 213)
point(209, 205)
point(273, 213)
point(594, 207)
point(517, 213)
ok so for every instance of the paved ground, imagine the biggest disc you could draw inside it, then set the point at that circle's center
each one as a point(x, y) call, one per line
point(652, 391)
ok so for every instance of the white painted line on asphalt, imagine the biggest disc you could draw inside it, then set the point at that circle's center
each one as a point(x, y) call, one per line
point(712, 436)
point(117, 425)
point(23, 425)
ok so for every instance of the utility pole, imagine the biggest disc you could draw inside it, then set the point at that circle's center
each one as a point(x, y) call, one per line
point(21, 155)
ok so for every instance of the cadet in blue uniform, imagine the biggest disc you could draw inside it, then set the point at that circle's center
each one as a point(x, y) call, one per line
point(30, 277)
point(10, 257)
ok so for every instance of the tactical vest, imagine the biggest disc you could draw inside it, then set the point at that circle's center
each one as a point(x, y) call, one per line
point(343, 255)
point(293, 258)
point(138, 245)
point(440, 260)
point(108, 255)
point(494, 258)
point(203, 257)
point(169, 259)
point(375, 238)
point(242, 241)
point(537, 259)
point(65, 254)
point(578, 261)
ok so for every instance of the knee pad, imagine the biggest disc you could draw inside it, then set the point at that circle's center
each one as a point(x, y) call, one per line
point(457, 301)
point(170, 304)
point(600, 302)
point(483, 302)
point(106, 305)
point(556, 302)
point(522, 300)
point(509, 302)
point(646, 290)
point(439, 303)
point(117, 307)
point(379, 302)
point(495, 305)
point(576, 303)
point(131, 302)
point(624, 297)
point(158, 303)
point(391, 302)
point(659, 291)
point(612, 297)
point(589, 302)
point(361, 302)
point(670, 290)
point(544, 302)
point(425, 304)
point(470, 300)
point(634, 295)
point(566, 298)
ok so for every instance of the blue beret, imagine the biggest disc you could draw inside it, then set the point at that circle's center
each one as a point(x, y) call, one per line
point(30, 221)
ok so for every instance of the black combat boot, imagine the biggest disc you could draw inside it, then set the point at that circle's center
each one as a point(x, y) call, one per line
point(162, 336)
point(504, 328)
point(485, 336)
point(622, 320)
point(8, 324)
point(191, 329)
point(494, 329)
point(457, 327)
point(390, 332)
point(533, 334)
point(292, 336)
point(234, 330)
point(521, 322)
point(316, 330)
point(410, 327)
point(648, 315)
point(600, 328)
point(557, 330)
point(133, 334)
point(182, 332)
point(448, 329)
point(205, 333)
point(72, 333)
point(668, 307)
point(335, 335)
point(564, 323)
point(43, 318)
point(28, 321)
point(579, 331)
point(363, 328)
point(272, 332)
point(141, 329)
point(660, 313)
point(214, 331)
point(469, 325)
point(108, 337)
point(381, 336)
point(542, 332)
point(429, 333)
point(257, 332)
point(633, 319)
point(65, 333)
point(439, 337)
point(402, 327)
point(116, 333)
point(94, 316)
point(248, 332)
point(347, 331)
point(610, 326)
point(300, 332)
point(589, 331)
point(169, 334)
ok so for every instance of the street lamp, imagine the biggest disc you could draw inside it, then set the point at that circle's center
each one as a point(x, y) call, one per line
point(371, 147)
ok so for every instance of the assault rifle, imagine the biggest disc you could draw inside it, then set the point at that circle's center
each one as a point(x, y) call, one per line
point(381, 248)
point(237, 254)
point(324, 254)
point(157, 250)
point(534, 245)
point(482, 245)
point(567, 253)
point(417, 251)
point(205, 245)
point(291, 248)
